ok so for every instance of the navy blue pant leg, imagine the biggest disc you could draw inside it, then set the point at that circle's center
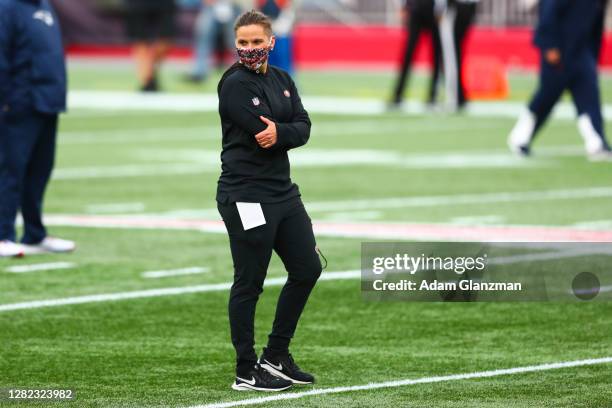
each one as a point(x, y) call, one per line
point(37, 175)
point(552, 82)
point(27, 149)
point(584, 86)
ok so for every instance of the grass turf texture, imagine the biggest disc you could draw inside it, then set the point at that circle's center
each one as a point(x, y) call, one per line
point(175, 351)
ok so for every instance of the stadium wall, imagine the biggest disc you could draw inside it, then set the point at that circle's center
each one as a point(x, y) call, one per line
point(326, 46)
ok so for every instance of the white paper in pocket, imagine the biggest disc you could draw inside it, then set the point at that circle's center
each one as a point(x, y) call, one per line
point(251, 215)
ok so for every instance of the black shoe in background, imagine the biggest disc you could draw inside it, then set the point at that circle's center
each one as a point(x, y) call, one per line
point(283, 366)
point(151, 85)
point(259, 379)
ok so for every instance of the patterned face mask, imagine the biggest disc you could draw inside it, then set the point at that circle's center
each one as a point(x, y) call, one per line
point(254, 58)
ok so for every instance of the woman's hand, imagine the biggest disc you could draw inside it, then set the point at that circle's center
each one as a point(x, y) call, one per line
point(267, 137)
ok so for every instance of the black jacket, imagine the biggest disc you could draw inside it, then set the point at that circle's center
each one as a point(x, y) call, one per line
point(251, 173)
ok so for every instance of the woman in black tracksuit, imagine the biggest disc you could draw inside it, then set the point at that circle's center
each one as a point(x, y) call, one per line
point(262, 117)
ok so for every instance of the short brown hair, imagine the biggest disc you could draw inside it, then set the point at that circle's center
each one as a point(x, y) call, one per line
point(254, 17)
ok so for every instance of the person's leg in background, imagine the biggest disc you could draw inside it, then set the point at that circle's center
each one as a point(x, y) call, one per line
point(204, 43)
point(584, 87)
point(436, 70)
point(164, 35)
point(449, 56)
point(137, 22)
point(229, 37)
point(413, 29)
point(20, 134)
point(37, 175)
point(553, 80)
point(295, 244)
point(143, 55)
point(466, 13)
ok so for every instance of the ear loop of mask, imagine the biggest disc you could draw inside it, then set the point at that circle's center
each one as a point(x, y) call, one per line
point(322, 256)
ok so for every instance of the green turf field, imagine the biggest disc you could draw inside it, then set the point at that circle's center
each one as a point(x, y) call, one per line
point(174, 351)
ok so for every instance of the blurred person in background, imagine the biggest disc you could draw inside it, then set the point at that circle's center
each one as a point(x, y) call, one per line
point(215, 19)
point(282, 13)
point(569, 35)
point(150, 26)
point(418, 16)
point(455, 19)
point(32, 94)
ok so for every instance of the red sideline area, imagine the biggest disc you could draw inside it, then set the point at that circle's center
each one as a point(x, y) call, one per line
point(324, 46)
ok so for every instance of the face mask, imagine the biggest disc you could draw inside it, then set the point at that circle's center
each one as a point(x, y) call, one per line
point(254, 58)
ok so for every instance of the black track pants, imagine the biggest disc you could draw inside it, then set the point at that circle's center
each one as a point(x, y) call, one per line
point(288, 231)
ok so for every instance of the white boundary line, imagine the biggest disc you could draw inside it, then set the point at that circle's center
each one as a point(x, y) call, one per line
point(40, 267)
point(217, 287)
point(190, 102)
point(175, 272)
point(108, 297)
point(402, 383)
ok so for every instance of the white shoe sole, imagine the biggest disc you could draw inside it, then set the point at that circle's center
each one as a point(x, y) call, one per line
point(248, 387)
point(36, 250)
point(277, 373)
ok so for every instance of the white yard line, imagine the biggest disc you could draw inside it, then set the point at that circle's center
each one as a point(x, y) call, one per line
point(458, 199)
point(40, 267)
point(164, 162)
point(109, 297)
point(602, 289)
point(606, 288)
point(279, 281)
point(115, 208)
point(175, 272)
point(123, 101)
point(357, 230)
point(360, 205)
point(206, 161)
point(145, 170)
point(407, 382)
point(139, 135)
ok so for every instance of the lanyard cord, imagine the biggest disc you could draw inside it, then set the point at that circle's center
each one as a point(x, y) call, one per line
point(322, 256)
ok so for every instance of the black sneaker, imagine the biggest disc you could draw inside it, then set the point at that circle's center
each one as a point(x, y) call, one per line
point(284, 367)
point(151, 85)
point(259, 379)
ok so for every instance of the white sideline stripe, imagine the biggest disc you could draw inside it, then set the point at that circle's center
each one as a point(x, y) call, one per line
point(108, 297)
point(175, 272)
point(403, 383)
point(40, 267)
point(216, 287)
point(369, 205)
point(207, 161)
point(591, 290)
point(114, 208)
point(455, 199)
point(122, 101)
point(83, 173)
point(203, 161)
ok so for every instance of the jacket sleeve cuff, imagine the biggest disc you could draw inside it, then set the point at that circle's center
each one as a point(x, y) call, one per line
point(281, 135)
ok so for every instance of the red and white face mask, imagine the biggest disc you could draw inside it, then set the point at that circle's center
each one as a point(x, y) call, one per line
point(254, 58)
